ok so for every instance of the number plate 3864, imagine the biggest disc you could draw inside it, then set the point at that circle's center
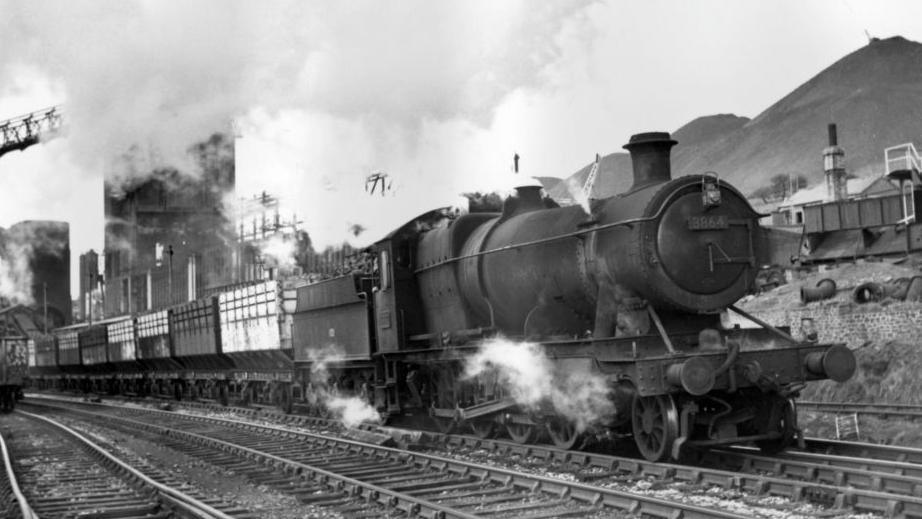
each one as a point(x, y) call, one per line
point(707, 223)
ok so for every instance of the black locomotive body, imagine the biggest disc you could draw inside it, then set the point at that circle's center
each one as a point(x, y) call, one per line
point(629, 292)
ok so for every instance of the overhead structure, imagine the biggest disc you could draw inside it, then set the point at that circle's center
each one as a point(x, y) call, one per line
point(374, 180)
point(590, 179)
point(19, 133)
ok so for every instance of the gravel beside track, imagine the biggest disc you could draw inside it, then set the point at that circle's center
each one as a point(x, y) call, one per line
point(838, 478)
point(414, 482)
point(62, 474)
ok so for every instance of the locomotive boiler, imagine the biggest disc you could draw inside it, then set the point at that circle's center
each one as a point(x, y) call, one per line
point(631, 290)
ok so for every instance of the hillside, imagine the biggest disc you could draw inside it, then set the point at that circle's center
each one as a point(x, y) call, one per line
point(874, 95)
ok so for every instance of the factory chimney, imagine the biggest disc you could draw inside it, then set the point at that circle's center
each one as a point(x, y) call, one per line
point(650, 157)
point(834, 168)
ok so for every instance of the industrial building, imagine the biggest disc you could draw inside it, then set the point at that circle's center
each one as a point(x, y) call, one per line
point(35, 268)
point(168, 236)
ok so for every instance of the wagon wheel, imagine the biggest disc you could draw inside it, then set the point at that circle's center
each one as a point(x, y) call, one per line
point(564, 434)
point(784, 413)
point(655, 421)
point(483, 429)
point(520, 432)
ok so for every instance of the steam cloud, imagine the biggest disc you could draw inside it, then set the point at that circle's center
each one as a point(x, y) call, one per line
point(351, 410)
point(18, 246)
point(280, 251)
point(533, 380)
point(319, 90)
point(15, 274)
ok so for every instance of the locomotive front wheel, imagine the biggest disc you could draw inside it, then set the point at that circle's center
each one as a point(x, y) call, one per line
point(655, 421)
point(483, 429)
point(564, 434)
point(521, 433)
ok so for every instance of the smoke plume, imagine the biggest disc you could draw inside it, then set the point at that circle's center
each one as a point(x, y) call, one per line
point(535, 381)
point(575, 190)
point(351, 407)
point(15, 274)
point(318, 90)
point(19, 245)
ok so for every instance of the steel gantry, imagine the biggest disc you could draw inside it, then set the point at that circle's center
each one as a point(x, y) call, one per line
point(21, 132)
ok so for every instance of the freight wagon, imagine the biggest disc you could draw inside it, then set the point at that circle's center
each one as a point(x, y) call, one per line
point(234, 343)
point(13, 369)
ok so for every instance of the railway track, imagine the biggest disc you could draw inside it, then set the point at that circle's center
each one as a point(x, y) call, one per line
point(889, 488)
point(907, 411)
point(64, 474)
point(836, 475)
point(338, 471)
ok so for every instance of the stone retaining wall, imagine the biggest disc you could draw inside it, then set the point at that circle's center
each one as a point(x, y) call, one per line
point(851, 323)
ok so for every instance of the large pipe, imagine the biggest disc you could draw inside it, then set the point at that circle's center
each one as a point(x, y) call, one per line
point(824, 289)
point(868, 293)
point(914, 290)
point(650, 158)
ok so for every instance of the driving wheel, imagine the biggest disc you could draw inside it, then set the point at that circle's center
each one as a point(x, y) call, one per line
point(655, 421)
point(483, 429)
point(784, 414)
point(564, 434)
point(521, 433)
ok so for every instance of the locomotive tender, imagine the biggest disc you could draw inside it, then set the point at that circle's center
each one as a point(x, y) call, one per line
point(630, 291)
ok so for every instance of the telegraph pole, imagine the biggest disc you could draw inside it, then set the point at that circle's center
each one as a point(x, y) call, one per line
point(170, 271)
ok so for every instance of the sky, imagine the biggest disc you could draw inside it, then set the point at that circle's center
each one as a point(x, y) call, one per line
point(437, 95)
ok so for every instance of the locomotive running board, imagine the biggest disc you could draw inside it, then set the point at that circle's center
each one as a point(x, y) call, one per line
point(475, 411)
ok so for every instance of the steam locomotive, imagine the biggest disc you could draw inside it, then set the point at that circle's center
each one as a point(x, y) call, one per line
point(630, 292)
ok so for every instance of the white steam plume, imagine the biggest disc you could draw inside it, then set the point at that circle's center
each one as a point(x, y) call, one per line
point(18, 247)
point(350, 409)
point(390, 86)
point(15, 274)
point(533, 381)
point(279, 250)
point(575, 189)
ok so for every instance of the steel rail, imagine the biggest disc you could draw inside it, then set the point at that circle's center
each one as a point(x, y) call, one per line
point(579, 492)
point(819, 479)
point(841, 481)
point(872, 451)
point(24, 508)
point(872, 476)
point(179, 499)
point(874, 409)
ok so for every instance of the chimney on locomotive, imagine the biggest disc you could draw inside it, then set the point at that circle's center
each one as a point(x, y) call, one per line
point(650, 157)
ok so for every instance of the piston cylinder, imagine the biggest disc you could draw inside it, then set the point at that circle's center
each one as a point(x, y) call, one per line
point(868, 293)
